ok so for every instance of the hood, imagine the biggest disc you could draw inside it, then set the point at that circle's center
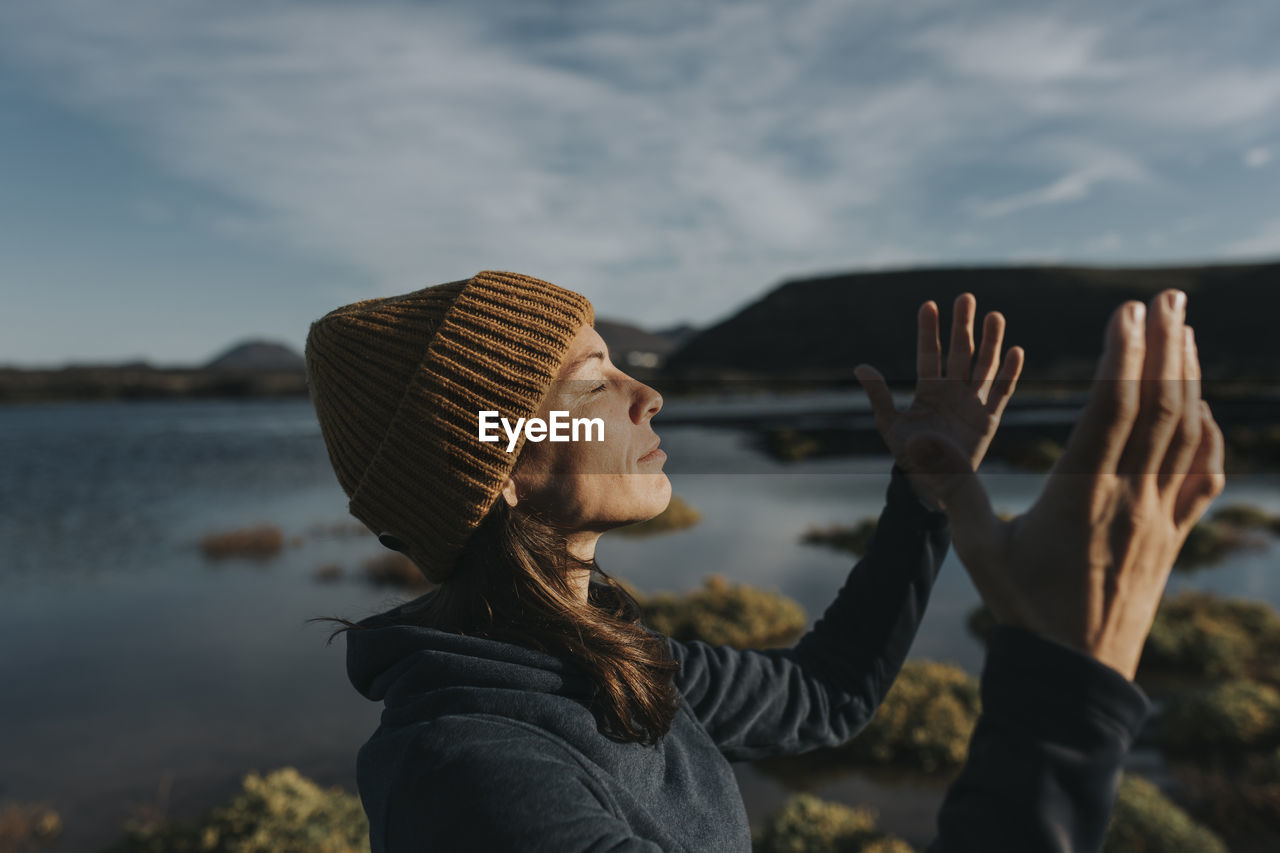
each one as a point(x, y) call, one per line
point(400, 664)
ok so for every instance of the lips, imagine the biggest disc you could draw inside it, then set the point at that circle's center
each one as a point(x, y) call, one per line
point(652, 449)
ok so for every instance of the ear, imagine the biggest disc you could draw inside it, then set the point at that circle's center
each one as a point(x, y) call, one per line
point(509, 492)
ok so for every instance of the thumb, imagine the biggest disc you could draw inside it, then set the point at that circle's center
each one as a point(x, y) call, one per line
point(952, 480)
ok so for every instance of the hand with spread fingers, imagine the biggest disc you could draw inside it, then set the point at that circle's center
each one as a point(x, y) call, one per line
point(964, 406)
point(1086, 565)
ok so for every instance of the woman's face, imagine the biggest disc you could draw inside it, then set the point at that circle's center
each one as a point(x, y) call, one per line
point(599, 484)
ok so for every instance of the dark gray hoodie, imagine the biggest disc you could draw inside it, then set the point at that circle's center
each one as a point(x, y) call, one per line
point(489, 746)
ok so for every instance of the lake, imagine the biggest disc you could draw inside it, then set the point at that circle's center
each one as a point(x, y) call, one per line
point(141, 678)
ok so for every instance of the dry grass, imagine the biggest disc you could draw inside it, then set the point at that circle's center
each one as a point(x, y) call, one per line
point(260, 542)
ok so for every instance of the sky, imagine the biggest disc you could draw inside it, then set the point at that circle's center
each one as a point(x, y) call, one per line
point(177, 176)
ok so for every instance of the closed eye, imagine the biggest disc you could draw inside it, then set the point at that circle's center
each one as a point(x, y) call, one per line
point(597, 390)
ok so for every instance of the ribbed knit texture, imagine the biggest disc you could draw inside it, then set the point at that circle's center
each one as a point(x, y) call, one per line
point(398, 384)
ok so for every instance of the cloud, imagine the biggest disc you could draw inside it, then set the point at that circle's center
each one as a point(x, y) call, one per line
point(1097, 167)
point(1257, 157)
point(1264, 242)
point(686, 154)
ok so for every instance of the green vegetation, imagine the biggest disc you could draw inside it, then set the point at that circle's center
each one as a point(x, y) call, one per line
point(260, 542)
point(281, 813)
point(1235, 715)
point(724, 614)
point(1146, 821)
point(677, 516)
point(806, 824)
point(853, 539)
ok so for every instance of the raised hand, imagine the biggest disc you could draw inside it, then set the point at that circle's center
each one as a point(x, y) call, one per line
point(964, 406)
point(1087, 564)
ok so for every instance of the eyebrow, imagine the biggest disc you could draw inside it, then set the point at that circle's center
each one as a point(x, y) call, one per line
point(581, 361)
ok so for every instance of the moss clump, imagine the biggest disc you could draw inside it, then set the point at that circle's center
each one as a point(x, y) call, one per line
point(1209, 542)
point(677, 516)
point(806, 824)
point(394, 570)
point(721, 614)
point(28, 826)
point(790, 445)
point(1241, 799)
point(281, 813)
point(1245, 516)
point(1236, 715)
point(261, 542)
point(1037, 454)
point(853, 539)
point(923, 725)
point(1201, 635)
point(1146, 821)
point(925, 721)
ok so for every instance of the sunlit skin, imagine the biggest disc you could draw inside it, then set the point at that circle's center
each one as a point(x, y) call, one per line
point(592, 487)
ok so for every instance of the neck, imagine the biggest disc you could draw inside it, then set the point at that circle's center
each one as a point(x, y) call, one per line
point(582, 546)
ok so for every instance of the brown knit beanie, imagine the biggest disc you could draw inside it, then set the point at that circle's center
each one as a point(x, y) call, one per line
point(398, 384)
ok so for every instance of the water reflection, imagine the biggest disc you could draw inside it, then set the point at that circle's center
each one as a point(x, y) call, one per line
point(130, 659)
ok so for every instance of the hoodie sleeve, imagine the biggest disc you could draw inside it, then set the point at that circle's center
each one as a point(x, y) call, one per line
point(758, 703)
point(1045, 758)
point(475, 785)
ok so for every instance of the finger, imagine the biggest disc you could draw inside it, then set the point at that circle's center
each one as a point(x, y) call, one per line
point(960, 353)
point(1006, 381)
point(984, 372)
point(928, 347)
point(1182, 447)
point(1099, 436)
point(1160, 408)
point(1206, 479)
point(878, 393)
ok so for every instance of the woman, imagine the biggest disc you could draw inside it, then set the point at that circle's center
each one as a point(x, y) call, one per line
point(526, 708)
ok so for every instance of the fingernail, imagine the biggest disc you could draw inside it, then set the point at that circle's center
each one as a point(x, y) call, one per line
point(1137, 313)
point(1177, 300)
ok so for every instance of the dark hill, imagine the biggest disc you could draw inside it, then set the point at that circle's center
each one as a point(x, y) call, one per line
point(258, 355)
point(823, 327)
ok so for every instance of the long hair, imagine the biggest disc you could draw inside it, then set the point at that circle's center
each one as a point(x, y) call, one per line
point(512, 583)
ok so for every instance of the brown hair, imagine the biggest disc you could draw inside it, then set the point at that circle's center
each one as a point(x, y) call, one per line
point(512, 583)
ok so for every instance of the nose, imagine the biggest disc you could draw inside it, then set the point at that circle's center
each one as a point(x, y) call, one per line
point(648, 403)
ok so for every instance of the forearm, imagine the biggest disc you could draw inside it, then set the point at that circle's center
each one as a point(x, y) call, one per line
point(823, 690)
point(863, 638)
point(1045, 758)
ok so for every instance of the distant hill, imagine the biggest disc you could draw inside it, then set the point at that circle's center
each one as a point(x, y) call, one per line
point(258, 355)
point(632, 347)
point(823, 327)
